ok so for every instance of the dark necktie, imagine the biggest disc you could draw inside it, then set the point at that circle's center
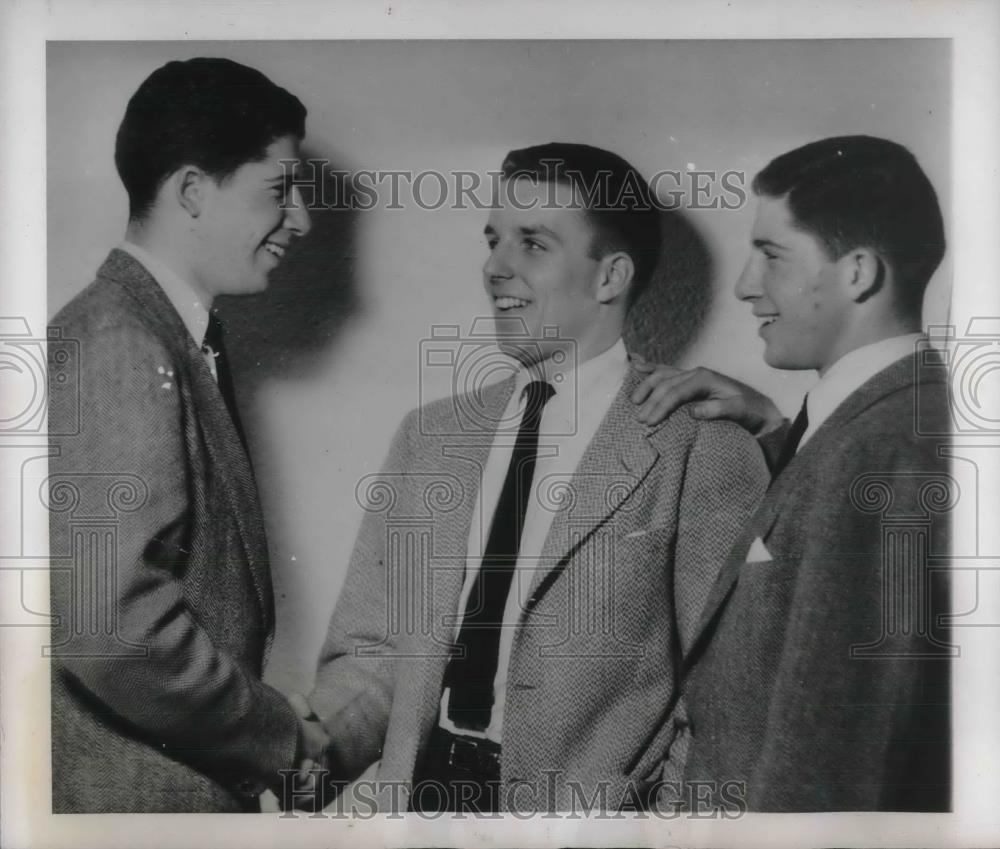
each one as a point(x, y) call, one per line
point(470, 676)
point(215, 346)
point(792, 440)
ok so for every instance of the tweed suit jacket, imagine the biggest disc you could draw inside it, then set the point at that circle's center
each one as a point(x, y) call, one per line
point(160, 577)
point(638, 536)
point(820, 677)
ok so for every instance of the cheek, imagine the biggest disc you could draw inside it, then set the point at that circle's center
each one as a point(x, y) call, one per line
point(818, 301)
point(226, 234)
point(796, 294)
point(536, 275)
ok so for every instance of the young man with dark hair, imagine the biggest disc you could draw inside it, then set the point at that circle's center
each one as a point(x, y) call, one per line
point(510, 627)
point(161, 590)
point(819, 674)
point(617, 201)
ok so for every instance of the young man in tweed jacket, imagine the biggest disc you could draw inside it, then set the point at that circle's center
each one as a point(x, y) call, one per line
point(819, 675)
point(161, 589)
point(558, 698)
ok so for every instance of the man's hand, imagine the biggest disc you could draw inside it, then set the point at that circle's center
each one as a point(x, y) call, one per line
point(718, 397)
point(314, 742)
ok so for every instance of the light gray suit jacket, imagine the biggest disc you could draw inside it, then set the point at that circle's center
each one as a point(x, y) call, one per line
point(160, 584)
point(634, 547)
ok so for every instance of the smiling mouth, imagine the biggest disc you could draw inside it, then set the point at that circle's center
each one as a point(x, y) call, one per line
point(765, 320)
point(275, 249)
point(505, 302)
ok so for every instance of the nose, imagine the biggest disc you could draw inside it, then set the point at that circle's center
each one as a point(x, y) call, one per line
point(496, 266)
point(748, 283)
point(297, 217)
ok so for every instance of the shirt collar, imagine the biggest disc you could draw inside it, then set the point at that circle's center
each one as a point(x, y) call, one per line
point(608, 366)
point(850, 372)
point(180, 293)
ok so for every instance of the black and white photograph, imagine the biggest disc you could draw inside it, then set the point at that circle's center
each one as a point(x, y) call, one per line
point(420, 437)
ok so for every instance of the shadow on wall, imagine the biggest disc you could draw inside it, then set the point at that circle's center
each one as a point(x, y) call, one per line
point(285, 333)
point(289, 329)
point(670, 314)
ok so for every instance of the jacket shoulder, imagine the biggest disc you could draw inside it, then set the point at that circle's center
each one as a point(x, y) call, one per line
point(892, 439)
point(719, 435)
point(104, 315)
point(469, 414)
point(913, 417)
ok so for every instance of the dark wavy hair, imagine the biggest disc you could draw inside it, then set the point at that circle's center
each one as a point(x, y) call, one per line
point(213, 113)
point(862, 191)
point(618, 202)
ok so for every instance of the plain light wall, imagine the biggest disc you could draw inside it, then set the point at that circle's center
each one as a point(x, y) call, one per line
point(328, 361)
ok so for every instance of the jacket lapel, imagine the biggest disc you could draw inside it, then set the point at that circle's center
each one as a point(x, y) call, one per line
point(232, 463)
point(229, 459)
point(463, 456)
point(897, 376)
point(614, 465)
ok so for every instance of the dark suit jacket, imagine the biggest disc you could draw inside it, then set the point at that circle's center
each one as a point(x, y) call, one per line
point(819, 677)
point(160, 584)
point(639, 533)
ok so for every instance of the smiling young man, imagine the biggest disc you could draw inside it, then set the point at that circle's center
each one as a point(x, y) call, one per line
point(160, 584)
point(819, 675)
point(510, 629)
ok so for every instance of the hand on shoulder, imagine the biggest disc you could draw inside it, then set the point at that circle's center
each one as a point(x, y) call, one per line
point(712, 396)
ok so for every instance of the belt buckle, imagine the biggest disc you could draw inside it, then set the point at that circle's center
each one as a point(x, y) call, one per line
point(472, 755)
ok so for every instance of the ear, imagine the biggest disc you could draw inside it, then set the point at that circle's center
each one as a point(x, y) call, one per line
point(864, 273)
point(616, 273)
point(188, 186)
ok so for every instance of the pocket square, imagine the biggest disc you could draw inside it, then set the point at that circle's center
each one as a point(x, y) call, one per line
point(758, 552)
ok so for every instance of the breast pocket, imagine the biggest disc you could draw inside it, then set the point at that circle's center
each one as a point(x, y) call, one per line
point(758, 611)
point(640, 547)
point(640, 575)
point(764, 573)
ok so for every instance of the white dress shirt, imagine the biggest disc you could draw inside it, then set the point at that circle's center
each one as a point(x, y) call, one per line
point(181, 294)
point(849, 373)
point(569, 421)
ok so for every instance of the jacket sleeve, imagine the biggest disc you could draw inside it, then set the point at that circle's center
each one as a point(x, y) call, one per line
point(724, 481)
point(357, 664)
point(124, 632)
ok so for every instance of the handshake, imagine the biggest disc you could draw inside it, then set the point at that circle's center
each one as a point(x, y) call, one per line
point(313, 760)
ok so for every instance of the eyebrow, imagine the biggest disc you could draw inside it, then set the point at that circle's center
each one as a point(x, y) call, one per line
point(539, 230)
point(767, 243)
point(535, 230)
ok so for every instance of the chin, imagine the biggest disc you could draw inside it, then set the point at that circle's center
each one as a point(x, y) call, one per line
point(247, 287)
point(784, 361)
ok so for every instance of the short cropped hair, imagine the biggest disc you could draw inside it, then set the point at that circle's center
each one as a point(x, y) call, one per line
point(862, 191)
point(213, 113)
point(617, 200)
